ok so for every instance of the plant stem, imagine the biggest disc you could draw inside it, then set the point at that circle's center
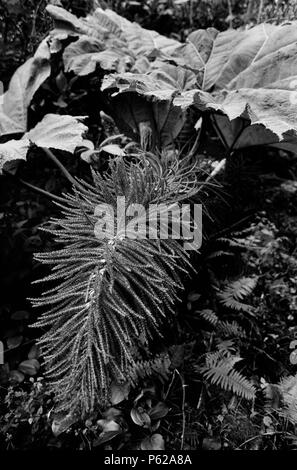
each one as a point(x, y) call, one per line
point(196, 143)
point(183, 409)
point(231, 227)
point(217, 170)
point(230, 150)
point(33, 29)
point(218, 131)
point(261, 435)
point(249, 11)
point(260, 11)
point(191, 13)
point(62, 168)
point(37, 190)
point(176, 372)
point(230, 13)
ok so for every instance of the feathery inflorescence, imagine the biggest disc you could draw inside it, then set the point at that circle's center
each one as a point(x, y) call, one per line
point(108, 296)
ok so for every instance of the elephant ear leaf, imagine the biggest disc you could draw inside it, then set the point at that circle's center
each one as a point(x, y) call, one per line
point(195, 53)
point(64, 21)
point(261, 57)
point(140, 41)
point(153, 123)
point(144, 105)
point(254, 117)
point(83, 56)
point(244, 78)
point(252, 75)
point(107, 39)
point(22, 87)
point(57, 132)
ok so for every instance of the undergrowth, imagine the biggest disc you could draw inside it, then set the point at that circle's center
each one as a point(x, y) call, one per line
point(139, 343)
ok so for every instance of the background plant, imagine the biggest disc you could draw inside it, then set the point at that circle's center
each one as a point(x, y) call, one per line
point(234, 328)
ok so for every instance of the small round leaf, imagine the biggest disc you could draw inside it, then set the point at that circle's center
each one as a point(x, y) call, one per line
point(155, 442)
point(29, 367)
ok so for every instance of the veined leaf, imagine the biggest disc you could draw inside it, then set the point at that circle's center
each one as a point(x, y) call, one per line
point(257, 67)
point(23, 85)
point(261, 57)
point(58, 132)
point(155, 442)
point(29, 367)
point(13, 150)
point(82, 57)
point(245, 79)
point(123, 41)
point(142, 42)
point(159, 118)
point(195, 53)
point(272, 118)
point(62, 422)
point(160, 83)
point(64, 19)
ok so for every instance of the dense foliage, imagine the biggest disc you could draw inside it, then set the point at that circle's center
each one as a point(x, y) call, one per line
point(142, 344)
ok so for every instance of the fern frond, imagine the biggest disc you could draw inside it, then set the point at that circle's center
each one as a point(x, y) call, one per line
point(231, 242)
point(220, 254)
point(241, 288)
point(224, 328)
point(159, 366)
point(226, 347)
point(282, 397)
point(211, 360)
point(288, 389)
point(209, 316)
point(220, 372)
point(230, 329)
point(107, 295)
point(236, 291)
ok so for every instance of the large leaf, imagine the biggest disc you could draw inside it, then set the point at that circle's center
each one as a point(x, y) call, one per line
point(107, 39)
point(82, 57)
point(262, 57)
point(244, 78)
point(23, 85)
point(57, 132)
point(145, 42)
point(195, 53)
point(158, 120)
point(142, 42)
point(13, 150)
point(259, 67)
point(272, 118)
point(66, 22)
point(156, 123)
point(161, 83)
